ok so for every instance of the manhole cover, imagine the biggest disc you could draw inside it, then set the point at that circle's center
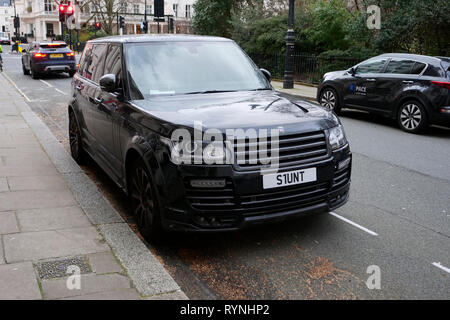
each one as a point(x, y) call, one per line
point(58, 268)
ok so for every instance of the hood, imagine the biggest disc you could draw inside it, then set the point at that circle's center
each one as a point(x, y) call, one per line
point(334, 74)
point(234, 110)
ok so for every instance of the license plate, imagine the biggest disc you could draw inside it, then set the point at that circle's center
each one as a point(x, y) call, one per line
point(283, 179)
point(59, 55)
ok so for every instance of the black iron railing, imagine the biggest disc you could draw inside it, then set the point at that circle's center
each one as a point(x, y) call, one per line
point(307, 67)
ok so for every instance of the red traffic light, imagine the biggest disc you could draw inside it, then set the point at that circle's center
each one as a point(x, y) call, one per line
point(62, 8)
point(69, 10)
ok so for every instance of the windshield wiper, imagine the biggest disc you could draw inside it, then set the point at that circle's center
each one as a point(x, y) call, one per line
point(210, 91)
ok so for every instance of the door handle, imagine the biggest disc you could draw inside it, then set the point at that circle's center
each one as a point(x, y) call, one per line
point(371, 80)
point(408, 81)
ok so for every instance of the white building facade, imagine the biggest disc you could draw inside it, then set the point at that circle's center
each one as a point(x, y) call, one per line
point(39, 19)
point(6, 15)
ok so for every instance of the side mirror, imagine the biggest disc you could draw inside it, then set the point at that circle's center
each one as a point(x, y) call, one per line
point(352, 71)
point(266, 74)
point(108, 83)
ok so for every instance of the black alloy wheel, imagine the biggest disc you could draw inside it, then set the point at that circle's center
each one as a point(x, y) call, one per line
point(143, 201)
point(329, 99)
point(76, 147)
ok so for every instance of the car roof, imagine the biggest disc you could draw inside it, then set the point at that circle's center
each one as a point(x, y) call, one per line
point(418, 57)
point(157, 38)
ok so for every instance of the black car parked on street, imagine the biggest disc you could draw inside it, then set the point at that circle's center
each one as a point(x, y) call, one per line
point(131, 97)
point(46, 58)
point(413, 89)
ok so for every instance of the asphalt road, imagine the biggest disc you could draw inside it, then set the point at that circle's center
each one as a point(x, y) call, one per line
point(398, 218)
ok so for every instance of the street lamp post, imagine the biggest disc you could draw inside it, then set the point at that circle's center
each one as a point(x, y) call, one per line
point(288, 82)
point(15, 17)
point(145, 16)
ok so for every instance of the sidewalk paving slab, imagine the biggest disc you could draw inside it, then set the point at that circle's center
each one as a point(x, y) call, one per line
point(30, 246)
point(89, 283)
point(8, 222)
point(2, 258)
point(52, 219)
point(51, 182)
point(125, 294)
point(18, 281)
point(35, 199)
point(103, 262)
point(3, 184)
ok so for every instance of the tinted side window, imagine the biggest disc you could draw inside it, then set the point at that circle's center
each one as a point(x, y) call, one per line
point(97, 61)
point(399, 66)
point(373, 66)
point(432, 71)
point(85, 61)
point(113, 63)
point(418, 68)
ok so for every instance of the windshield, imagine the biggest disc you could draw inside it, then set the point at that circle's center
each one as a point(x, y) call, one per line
point(172, 68)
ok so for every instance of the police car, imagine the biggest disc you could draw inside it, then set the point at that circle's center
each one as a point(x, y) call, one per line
point(413, 89)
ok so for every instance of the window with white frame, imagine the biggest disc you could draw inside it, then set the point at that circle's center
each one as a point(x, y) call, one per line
point(48, 6)
point(136, 8)
point(175, 9)
point(123, 7)
point(188, 11)
point(148, 9)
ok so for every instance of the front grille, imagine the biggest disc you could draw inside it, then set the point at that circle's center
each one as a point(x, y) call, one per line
point(295, 197)
point(293, 149)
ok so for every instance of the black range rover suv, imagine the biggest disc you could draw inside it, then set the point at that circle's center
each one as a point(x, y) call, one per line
point(152, 112)
point(413, 89)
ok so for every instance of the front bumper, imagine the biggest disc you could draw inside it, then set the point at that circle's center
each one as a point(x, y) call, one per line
point(244, 202)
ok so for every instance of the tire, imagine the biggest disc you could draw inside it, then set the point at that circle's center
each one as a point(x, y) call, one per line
point(25, 71)
point(144, 204)
point(34, 74)
point(412, 117)
point(330, 100)
point(76, 144)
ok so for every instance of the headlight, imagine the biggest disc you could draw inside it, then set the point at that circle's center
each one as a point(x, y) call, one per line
point(198, 152)
point(336, 137)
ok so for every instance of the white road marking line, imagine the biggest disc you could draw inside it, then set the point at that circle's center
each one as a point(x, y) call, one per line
point(440, 266)
point(46, 83)
point(354, 224)
point(60, 91)
point(17, 88)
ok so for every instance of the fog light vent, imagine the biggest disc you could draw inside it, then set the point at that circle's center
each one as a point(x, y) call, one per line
point(343, 164)
point(208, 183)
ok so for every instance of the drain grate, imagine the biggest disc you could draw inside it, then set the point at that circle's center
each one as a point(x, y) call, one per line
point(58, 268)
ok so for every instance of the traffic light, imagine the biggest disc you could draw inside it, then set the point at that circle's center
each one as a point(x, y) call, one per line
point(62, 12)
point(145, 26)
point(121, 22)
point(69, 10)
point(65, 10)
point(16, 22)
point(98, 26)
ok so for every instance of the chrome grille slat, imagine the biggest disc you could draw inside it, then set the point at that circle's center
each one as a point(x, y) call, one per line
point(292, 149)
